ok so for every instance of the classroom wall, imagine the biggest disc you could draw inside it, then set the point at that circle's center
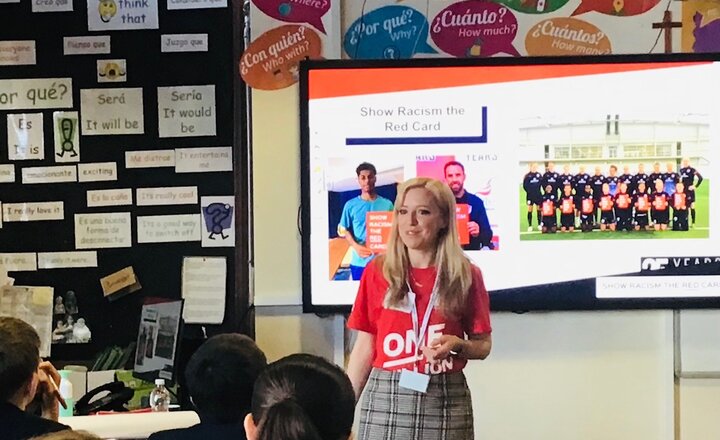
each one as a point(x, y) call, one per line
point(554, 376)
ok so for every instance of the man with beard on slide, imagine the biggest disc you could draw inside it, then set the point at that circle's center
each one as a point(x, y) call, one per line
point(479, 226)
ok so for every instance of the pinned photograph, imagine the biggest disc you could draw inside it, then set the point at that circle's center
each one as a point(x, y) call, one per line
point(111, 71)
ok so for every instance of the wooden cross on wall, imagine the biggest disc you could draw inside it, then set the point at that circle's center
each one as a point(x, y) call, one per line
point(667, 26)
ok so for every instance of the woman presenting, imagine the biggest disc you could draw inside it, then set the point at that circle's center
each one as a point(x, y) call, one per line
point(423, 289)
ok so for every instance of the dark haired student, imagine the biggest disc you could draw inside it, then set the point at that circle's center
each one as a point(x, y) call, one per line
point(301, 397)
point(421, 312)
point(23, 378)
point(220, 377)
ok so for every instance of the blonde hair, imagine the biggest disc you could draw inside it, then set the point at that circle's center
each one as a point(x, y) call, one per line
point(454, 270)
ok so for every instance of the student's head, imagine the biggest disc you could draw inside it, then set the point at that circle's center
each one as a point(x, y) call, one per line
point(679, 187)
point(220, 377)
point(606, 189)
point(19, 360)
point(567, 189)
point(658, 185)
point(301, 397)
point(366, 175)
point(455, 177)
point(623, 187)
point(685, 162)
point(613, 170)
point(670, 167)
point(551, 166)
point(67, 435)
point(598, 170)
point(533, 167)
point(656, 167)
point(626, 169)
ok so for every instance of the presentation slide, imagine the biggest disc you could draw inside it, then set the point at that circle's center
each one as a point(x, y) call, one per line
point(600, 172)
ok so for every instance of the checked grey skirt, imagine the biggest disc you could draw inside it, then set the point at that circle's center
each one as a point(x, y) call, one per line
point(389, 412)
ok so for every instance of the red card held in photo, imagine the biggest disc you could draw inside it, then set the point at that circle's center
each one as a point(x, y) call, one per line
point(463, 216)
point(378, 225)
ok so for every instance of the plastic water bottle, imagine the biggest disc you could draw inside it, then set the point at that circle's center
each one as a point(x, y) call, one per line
point(160, 397)
point(66, 391)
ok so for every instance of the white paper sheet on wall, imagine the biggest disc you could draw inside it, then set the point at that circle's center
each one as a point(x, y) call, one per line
point(33, 305)
point(203, 288)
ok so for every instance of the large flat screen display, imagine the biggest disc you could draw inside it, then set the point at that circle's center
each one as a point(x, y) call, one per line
point(582, 183)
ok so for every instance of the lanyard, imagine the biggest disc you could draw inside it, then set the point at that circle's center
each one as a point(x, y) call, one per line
point(420, 332)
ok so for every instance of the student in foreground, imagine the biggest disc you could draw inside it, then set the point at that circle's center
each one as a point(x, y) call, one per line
point(220, 377)
point(301, 397)
point(423, 289)
point(23, 378)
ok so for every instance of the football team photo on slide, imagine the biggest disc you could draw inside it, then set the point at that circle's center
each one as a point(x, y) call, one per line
point(590, 188)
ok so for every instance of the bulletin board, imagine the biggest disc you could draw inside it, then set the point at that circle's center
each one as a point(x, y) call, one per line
point(121, 62)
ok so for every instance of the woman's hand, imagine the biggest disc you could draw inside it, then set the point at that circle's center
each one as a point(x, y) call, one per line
point(475, 347)
point(441, 347)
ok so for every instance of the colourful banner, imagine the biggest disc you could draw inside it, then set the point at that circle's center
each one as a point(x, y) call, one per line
point(475, 29)
point(271, 61)
point(705, 29)
point(616, 7)
point(534, 6)
point(566, 36)
point(390, 32)
point(296, 11)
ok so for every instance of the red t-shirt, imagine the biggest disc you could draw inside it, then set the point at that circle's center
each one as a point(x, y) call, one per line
point(393, 329)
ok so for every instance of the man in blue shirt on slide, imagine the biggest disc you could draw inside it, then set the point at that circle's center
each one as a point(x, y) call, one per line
point(352, 222)
point(479, 226)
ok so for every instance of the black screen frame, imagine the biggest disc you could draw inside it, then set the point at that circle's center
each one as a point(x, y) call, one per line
point(548, 297)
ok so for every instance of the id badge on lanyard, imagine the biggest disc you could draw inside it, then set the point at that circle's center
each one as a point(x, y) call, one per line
point(414, 380)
